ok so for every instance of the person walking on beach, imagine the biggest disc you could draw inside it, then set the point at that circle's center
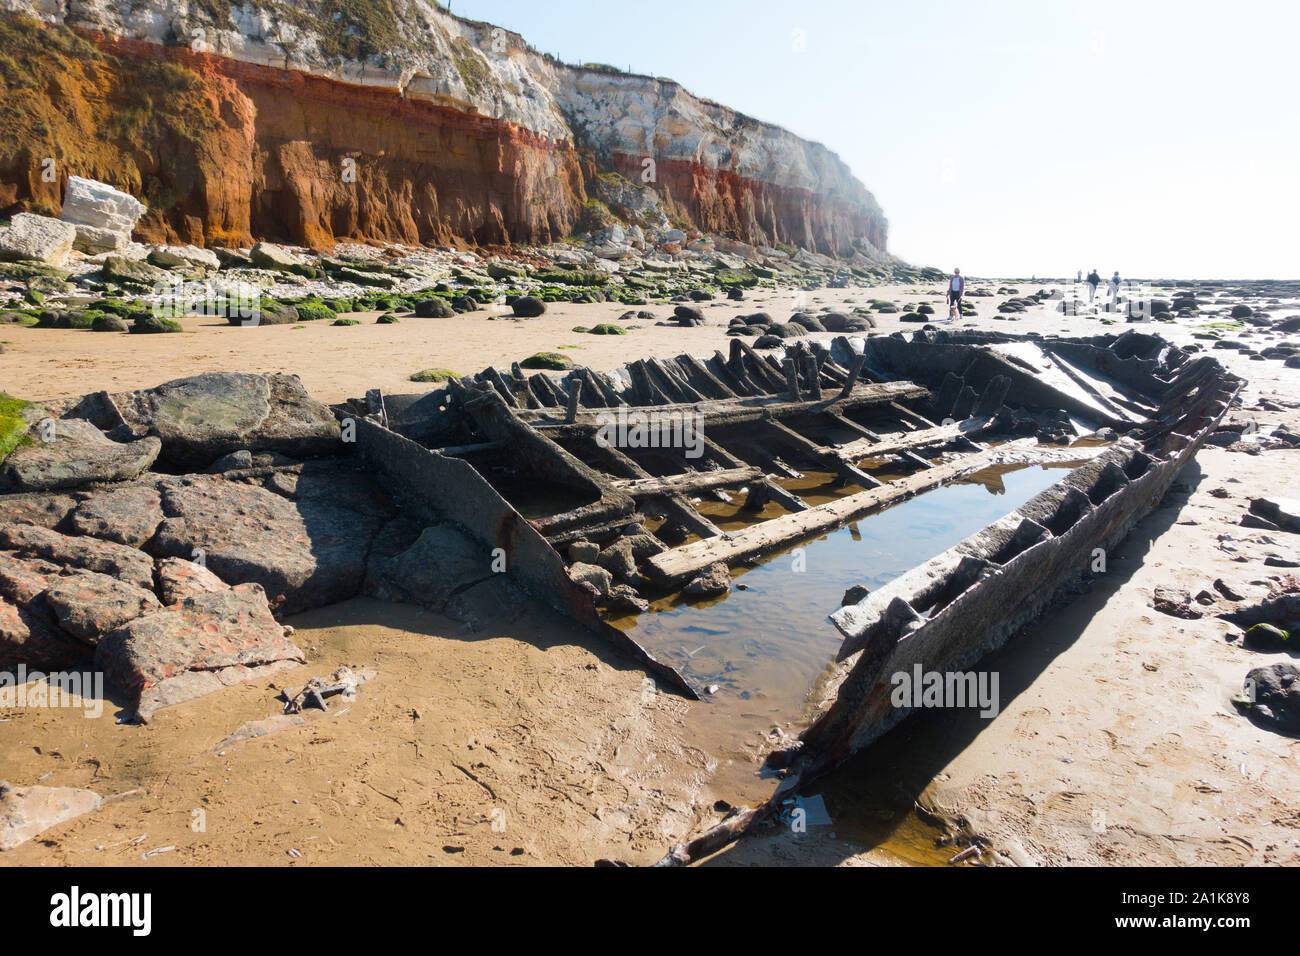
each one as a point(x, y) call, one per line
point(1114, 285)
point(956, 289)
point(1094, 280)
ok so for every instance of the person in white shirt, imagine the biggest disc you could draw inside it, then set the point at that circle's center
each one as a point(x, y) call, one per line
point(956, 289)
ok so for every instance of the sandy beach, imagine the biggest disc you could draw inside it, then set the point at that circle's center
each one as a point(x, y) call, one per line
point(1116, 741)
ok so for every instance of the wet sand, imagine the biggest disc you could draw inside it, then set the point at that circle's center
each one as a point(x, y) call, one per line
point(1114, 716)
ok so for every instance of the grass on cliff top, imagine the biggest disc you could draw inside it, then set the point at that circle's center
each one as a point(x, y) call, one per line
point(13, 427)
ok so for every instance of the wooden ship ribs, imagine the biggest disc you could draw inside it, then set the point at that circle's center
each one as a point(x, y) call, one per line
point(939, 407)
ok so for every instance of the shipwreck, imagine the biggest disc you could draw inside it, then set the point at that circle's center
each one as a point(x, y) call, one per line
point(163, 531)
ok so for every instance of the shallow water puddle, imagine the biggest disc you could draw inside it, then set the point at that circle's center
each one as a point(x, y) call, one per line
point(764, 643)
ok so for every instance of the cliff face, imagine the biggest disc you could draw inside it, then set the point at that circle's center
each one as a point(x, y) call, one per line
point(380, 119)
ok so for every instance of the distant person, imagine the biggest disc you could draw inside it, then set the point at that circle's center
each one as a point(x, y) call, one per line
point(1094, 280)
point(956, 289)
point(1114, 285)
point(1079, 277)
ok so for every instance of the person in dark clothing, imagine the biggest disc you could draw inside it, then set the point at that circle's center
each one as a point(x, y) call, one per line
point(956, 289)
point(1094, 280)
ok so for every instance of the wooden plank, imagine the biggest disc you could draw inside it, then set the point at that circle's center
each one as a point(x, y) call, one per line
point(688, 483)
point(674, 568)
point(939, 435)
point(911, 417)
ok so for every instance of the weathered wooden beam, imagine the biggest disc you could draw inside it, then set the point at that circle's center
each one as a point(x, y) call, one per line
point(911, 417)
point(855, 372)
point(688, 483)
point(575, 399)
point(842, 467)
point(674, 568)
point(724, 412)
point(924, 438)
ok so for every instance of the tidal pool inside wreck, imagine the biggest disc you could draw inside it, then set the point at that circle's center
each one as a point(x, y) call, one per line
point(765, 641)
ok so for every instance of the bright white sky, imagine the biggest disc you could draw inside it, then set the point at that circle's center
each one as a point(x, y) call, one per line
point(1004, 137)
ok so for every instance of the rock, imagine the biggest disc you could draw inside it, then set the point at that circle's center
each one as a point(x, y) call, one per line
point(45, 510)
point(688, 315)
point(768, 341)
point(583, 551)
point(102, 216)
point(179, 579)
point(597, 577)
point(235, 461)
point(146, 323)
point(617, 560)
point(201, 418)
point(854, 595)
point(434, 308)
point(37, 238)
point(1268, 637)
point(79, 454)
point(1227, 590)
point(129, 515)
point(266, 255)
point(88, 605)
point(528, 307)
point(625, 598)
point(441, 562)
point(309, 553)
point(644, 545)
point(1176, 603)
point(1271, 695)
point(715, 579)
point(171, 257)
point(135, 275)
point(108, 323)
point(27, 638)
point(195, 647)
point(26, 812)
point(1282, 512)
point(90, 554)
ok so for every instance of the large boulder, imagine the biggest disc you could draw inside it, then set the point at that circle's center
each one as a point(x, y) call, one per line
point(266, 255)
point(37, 238)
point(103, 217)
point(88, 604)
point(201, 418)
point(528, 307)
point(29, 542)
point(197, 646)
point(133, 274)
point(27, 638)
point(434, 308)
point(305, 553)
point(441, 563)
point(128, 515)
point(78, 454)
point(173, 257)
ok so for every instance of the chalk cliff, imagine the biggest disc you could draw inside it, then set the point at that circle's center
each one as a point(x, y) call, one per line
point(393, 120)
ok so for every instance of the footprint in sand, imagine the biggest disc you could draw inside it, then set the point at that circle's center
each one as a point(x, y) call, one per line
point(1026, 723)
